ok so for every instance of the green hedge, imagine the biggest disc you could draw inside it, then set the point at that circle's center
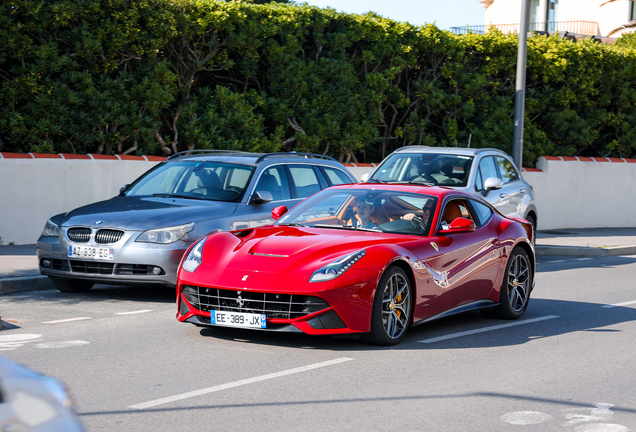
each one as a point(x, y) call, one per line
point(158, 76)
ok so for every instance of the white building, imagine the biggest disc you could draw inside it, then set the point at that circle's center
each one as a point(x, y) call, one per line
point(576, 17)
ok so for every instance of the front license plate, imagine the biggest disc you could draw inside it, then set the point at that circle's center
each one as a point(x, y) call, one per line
point(238, 319)
point(91, 252)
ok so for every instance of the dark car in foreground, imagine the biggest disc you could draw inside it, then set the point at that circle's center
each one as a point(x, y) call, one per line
point(140, 236)
point(428, 253)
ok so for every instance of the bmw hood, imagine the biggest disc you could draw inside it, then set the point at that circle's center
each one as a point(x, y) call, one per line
point(142, 213)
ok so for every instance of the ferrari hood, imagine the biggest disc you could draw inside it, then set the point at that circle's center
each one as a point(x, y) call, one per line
point(276, 249)
point(142, 213)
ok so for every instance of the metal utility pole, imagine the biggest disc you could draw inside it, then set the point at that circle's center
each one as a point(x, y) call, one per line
point(520, 94)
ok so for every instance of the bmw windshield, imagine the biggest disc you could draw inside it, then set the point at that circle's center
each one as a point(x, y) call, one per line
point(194, 180)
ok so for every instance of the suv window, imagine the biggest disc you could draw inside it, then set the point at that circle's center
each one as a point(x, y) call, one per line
point(274, 180)
point(486, 169)
point(507, 170)
point(336, 176)
point(305, 179)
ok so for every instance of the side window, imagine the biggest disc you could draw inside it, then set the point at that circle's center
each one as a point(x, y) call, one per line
point(484, 213)
point(275, 181)
point(305, 180)
point(454, 209)
point(507, 170)
point(335, 176)
point(487, 169)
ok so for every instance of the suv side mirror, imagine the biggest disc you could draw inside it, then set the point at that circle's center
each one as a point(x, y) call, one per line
point(365, 177)
point(262, 197)
point(123, 189)
point(492, 183)
point(278, 212)
point(459, 225)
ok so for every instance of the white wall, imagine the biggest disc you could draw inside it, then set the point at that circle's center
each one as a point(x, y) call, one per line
point(570, 192)
point(33, 190)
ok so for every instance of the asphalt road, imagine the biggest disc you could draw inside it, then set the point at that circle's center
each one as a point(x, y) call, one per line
point(566, 365)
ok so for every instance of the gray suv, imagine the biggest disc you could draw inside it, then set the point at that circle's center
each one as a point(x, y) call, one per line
point(488, 172)
point(139, 236)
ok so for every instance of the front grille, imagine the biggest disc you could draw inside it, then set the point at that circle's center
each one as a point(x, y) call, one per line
point(108, 236)
point(79, 234)
point(286, 306)
point(136, 269)
point(93, 267)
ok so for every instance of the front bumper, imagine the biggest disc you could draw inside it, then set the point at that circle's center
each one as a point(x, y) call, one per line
point(342, 306)
point(133, 263)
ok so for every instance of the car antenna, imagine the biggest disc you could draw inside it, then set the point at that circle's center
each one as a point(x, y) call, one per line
point(469, 138)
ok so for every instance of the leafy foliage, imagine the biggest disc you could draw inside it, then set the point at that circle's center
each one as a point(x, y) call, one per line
point(161, 76)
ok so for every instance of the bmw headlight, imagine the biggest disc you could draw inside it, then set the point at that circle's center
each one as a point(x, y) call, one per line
point(337, 267)
point(51, 229)
point(165, 235)
point(193, 260)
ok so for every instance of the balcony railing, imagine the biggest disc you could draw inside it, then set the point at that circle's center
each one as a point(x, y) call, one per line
point(588, 28)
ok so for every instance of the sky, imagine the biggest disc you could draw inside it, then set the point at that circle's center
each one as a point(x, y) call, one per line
point(445, 13)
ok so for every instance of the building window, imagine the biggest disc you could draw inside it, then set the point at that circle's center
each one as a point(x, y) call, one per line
point(551, 14)
point(632, 10)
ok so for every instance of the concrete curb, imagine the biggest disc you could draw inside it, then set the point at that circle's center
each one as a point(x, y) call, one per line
point(580, 251)
point(25, 283)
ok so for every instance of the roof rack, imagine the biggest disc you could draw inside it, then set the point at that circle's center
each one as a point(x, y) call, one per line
point(305, 155)
point(411, 147)
point(195, 151)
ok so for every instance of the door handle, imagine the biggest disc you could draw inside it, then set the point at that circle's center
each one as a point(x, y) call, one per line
point(502, 195)
point(522, 190)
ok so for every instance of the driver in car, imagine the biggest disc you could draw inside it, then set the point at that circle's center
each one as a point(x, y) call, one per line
point(365, 211)
point(426, 210)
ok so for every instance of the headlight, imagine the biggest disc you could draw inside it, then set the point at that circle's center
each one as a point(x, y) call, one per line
point(165, 235)
point(51, 229)
point(337, 267)
point(194, 257)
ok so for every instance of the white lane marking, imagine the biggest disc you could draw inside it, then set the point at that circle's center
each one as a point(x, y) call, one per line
point(601, 427)
point(238, 383)
point(62, 344)
point(619, 304)
point(600, 412)
point(525, 417)
point(557, 261)
point(11, 342)
point(133, 312)
point(583, 259)
point(486, 329)
point(67, 320)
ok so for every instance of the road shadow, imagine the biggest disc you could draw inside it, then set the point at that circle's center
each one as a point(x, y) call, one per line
point(570, 317)
point(549, 263)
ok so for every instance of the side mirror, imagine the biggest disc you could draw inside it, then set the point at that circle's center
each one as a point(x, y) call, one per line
point(365, 177)
point(460, 225)
point(123, 189)
point(262, 197)
point(492, 183)
point(278, 212)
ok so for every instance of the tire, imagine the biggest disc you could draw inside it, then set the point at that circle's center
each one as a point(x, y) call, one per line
point(516, 286)
point(392, 308)
point(72, 285)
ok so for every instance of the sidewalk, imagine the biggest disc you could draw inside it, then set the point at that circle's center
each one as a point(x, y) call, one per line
point(19, 264)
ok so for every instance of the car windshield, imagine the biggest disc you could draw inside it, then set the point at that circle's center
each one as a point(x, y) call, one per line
point(365, 210)
point(194, 180)
point(429, 168)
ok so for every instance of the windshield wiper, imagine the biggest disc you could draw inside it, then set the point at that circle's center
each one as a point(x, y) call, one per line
point(375, 180)
point(291, 224)
point(347, 227)
point(167, 195)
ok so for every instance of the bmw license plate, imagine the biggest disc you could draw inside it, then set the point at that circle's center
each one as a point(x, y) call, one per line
point(238, 319)
point(91, 252)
